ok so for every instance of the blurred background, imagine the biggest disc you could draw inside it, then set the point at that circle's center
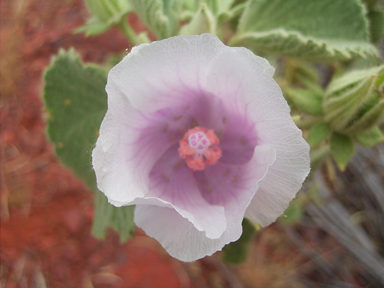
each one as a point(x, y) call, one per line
point(334, 239)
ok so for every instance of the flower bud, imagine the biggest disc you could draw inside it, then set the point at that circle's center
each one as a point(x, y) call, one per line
point(355, 102)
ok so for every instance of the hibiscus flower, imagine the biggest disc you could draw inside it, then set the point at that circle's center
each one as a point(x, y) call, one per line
point(198, 136)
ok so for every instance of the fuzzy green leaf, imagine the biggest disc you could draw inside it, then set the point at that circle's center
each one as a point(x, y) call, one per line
point(76, 101)
point(376, 19)
point(202, 22)
point(370, 137)
point(317, 134)
point(342, 149)
point(372, 114)
point(219, 6)
point(160, 16)
point(312, 30)
point(307, 101)
point(353, 102)
point(105, 14)
point(93, 26)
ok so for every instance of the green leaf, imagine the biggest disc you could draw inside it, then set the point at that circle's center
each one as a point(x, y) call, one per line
point(121, 219)
point(190, 5)
point(105, 14)
point(219, 6)
point(342, 149)
point(318, 134)
point(353, 102)
point(312, 30)
point(93, 26)
point(160, 16)
point(76, 101)
point(307, 101)
point(376, 19)
point(293, 213)
point(311, 85)
point(370, 137)
point(318, 156)
point(236, 252)
point(216, 6)
point(202, 22)
point(372, 113)
point(304, 75)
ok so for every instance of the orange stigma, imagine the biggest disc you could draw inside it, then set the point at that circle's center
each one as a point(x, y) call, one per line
point(199, 148)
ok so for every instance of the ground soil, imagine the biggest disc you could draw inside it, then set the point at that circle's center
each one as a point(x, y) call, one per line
point(46, 212)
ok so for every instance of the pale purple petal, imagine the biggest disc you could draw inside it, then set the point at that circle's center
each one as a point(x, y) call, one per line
point(238, 141)
point(231, 186)
point(131, 142)
point(251, 90)
point(285, 176)
point(155, 95)
point(166, 73)
point(172, 181)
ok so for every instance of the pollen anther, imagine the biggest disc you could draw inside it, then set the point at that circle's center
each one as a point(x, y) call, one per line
point(199, 148)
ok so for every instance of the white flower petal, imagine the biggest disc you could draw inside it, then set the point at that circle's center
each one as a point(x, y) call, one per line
point(128, 147)
point(172, 181)
point(250, 90)
point(244, 82)
point(285, 176)
point(157, 92)
point(180, 237)
point(165, 73)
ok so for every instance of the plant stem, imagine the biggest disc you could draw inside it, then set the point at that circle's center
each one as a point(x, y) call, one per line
point(129, 32)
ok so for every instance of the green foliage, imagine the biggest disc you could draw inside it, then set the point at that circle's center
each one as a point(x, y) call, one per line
point(236, 252)
point(370, 137)
point(318, 156)
point(305, 75)
point(307, 101)
point(293, 213)
point(312, 30)
point(219, 6)
point(317, 134)
point(376, 18)
point(105, 13)
point(160, 16)
point(342, 149)
point(216, 6)
point(190, 5)
point(120, 218)
point(354, 102)
point(202, 22)
point(76, 101)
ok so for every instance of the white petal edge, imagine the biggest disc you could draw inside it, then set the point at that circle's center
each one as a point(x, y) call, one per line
point(157, 75)
point(180, 238)
point(251, 85)
point(285, 176)
point(122, 166)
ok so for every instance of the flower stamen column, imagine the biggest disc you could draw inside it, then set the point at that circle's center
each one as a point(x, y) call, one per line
point(199, 147)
